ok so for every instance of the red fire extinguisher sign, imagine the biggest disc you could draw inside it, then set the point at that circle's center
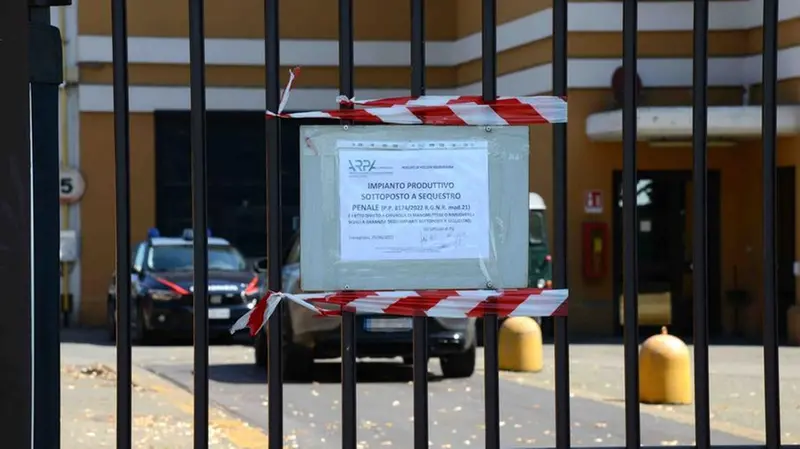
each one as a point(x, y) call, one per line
point(593, 202)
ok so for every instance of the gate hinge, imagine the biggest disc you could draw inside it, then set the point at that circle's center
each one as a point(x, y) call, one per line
point(45, 54)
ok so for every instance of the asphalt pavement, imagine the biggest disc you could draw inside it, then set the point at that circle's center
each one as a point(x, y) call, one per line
point(162, 414)
point(385, 409)
point(312, 417)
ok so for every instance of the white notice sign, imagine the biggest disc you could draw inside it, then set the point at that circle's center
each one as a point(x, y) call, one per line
point(414, 204)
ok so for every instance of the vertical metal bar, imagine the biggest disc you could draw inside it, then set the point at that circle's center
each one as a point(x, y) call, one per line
point(562, 406)
point(630, 226)
point(274, 239)
point(418, 48)
point(197, 64)
point(346, 38)
point(769, 79)
point(420, 337)
point(46, 75)
point(490, 322)
point(119, 38)
point(349, 380)
point(16, 338)
point(702, 410)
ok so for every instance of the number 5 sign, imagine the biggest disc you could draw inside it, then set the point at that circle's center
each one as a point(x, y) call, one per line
point(71, 185)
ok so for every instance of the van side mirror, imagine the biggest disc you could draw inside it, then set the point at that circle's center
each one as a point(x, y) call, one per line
point(260, 265)
point(137, 272)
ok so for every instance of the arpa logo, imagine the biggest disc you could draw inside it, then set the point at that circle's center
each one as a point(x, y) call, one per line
point(361, 165)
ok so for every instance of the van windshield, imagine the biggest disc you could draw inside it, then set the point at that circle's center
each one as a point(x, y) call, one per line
point(536, 227)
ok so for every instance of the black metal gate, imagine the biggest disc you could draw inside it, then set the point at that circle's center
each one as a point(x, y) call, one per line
point(15, 227)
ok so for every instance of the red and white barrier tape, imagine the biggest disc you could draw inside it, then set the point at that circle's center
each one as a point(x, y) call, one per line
point(451, 100)
point(440, 110)
point(293, 73)
point(258, 316)
point(531, 302)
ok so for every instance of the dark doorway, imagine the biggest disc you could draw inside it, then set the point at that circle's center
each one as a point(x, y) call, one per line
point(237, 183)
point(786, 245)
point(237, 188)
point(664, 207)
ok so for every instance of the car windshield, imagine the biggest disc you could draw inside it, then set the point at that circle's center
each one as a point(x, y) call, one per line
point(180, 258)
point(536, 226)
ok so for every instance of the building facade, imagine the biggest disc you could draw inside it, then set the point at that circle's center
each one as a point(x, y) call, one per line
point(159, 102)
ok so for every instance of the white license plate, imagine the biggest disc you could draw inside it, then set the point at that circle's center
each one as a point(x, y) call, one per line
point(215, 299)
point(219, 314)
point(387, 324)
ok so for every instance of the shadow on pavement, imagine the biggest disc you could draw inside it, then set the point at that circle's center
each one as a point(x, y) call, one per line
point(91, 336)
point(324, 372)
point(100, 337)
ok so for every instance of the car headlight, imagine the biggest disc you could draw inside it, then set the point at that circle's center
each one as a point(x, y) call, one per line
point(163, 295)
point(246, 296)
point(540, 283)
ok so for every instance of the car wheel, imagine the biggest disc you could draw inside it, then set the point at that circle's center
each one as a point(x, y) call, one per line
point(410, 360)
point(111, 325)
point(298, 361)
point(458, 366)
point(260, 349)
point(140, 334)
point(479, 331)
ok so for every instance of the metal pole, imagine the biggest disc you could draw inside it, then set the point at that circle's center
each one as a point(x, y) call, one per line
point(349, 368)
point(418, 49)
point(563, 437)
point(490, 322)
point(197, 63)
point(119, 36)
point(769, 79)
point(420, 337)
point(274, 220)
point(46, 76)
point(630, 226)
point(15, 227)
point(702, 408)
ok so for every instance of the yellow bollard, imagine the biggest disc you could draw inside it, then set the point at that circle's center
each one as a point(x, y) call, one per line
point(520, 345)
point(665, 373)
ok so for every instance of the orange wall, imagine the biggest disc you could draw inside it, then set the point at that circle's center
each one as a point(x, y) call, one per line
point(98, 204)
point(299, 19)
